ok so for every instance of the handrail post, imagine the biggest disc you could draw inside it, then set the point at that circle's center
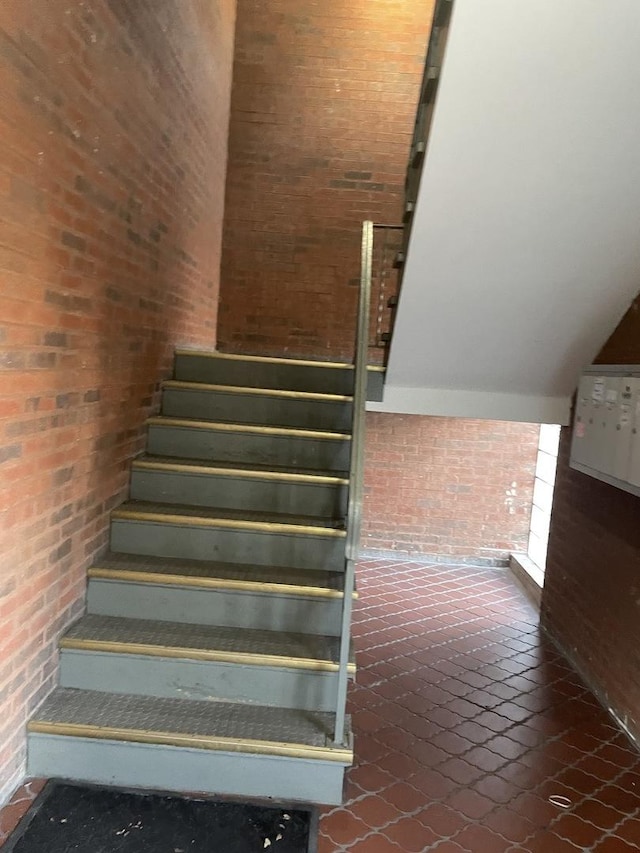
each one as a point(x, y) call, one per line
point(356, 471)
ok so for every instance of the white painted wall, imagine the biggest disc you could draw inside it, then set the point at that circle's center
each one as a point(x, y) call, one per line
point(525, 249)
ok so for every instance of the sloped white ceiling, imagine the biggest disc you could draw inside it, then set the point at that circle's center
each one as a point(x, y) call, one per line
point(525, 250)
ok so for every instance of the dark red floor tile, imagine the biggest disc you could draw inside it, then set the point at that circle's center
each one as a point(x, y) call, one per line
point(446, 718)
point(493, 721)
point(504, 746)
point(428, 754)
point(579, 781)
point(486, 701)
point(580, 832)
point(404, 797)
point(433, 784)
point(18, 805)
point(629, 830)
point(365, 721)
point(464, 709)
point(375, 812)
point(410, 835)
point(510, 824)
point(452, 743)
point(512, 712)
point(630, 780)
point(369, 750)
point(474, 732)
point(563, 752)
point(475, 679)
point(484, 759)
point(370, 778)
point(399, 765)
point(496, 789)
point(613, 844)
point(470, 803)
point(546, 842)
point(375, 843)
point(460, 771)
point(444, 820)
point(598, 814)
point(395, 738)
point(525, 735)
point(479, 838)
point(537, 809)
point(342, 827)
point(617, 755)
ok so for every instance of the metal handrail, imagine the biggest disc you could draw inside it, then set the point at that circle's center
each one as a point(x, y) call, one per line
point(356, 471)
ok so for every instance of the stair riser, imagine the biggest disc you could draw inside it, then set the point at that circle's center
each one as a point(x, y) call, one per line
point(375, 386)
point(200, 680)
point(263, 448)
point(256, 409)
point(226, 608)
point(320, 500)
point(256, 374)
point(172, 768)
point(227, 545)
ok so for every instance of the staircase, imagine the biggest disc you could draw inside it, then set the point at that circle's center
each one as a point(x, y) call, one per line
point(210, 655)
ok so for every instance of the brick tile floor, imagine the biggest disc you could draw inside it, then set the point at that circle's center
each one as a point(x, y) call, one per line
point(473, 735)
point(18, 805)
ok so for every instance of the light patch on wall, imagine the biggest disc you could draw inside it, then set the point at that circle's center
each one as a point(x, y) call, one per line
point(510, 499)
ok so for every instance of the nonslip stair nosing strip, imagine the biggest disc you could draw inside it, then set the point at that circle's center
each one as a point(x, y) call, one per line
point(210, 742)
point(248, 473)
point(274, 527)
point(258, 392)
point(249, 428)
point(267, 359)
point(215, 583)
point(206, 655)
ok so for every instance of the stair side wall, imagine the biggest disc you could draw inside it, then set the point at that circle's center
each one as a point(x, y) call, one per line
point(114, 137)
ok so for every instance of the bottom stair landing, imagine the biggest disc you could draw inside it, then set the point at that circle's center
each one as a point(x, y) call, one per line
point(187, 745)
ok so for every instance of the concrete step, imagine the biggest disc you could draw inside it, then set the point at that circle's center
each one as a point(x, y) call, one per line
point(188, 745)
point(214, 593)
point(266, 372)
point(200, 533)
point(201, 482)
point(208, 662)
point(319, 450)
point(243, 404)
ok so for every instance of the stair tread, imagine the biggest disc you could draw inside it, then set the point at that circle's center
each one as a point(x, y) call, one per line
point(194, 718)
point(241, 426)
point(256, 391)
point(202, 638)
point(224, 514)
point(232, 356)
point(247, 467)
point(272, 359)
point(207, 570)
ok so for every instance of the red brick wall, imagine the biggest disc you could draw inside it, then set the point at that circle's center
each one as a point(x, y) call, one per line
point(113, 133)
point(323, 108)
point(591, 599)
point(447, 487)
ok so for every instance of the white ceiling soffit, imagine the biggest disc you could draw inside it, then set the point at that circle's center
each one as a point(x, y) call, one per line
point(525, 249)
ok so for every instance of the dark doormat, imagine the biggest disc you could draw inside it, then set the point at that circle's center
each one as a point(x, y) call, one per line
point(68, 818)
